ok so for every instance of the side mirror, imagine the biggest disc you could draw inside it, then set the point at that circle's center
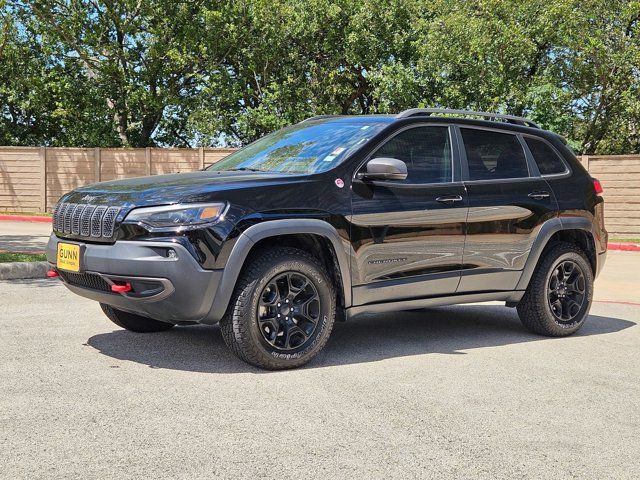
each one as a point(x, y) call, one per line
point(383, 168)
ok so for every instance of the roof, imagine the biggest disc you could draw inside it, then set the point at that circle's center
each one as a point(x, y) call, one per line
point(437, 112)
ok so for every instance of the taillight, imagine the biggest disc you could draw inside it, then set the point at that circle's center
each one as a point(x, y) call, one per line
point(597, 186)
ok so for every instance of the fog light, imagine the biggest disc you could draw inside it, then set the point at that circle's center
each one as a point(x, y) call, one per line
point(171, 253)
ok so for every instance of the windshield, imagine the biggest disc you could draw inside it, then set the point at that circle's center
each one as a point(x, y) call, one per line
point(308, 147)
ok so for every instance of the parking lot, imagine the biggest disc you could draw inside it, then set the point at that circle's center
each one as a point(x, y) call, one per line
point(457, 392)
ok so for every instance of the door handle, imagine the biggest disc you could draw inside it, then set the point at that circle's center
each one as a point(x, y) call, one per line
point(539, 195)
point(449, 198)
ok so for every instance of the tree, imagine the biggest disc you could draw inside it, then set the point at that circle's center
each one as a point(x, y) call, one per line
point(186, 73)
point(287, 60)
point(143, 57)
point(570, 65)
point(43, 101)
point(605, 77)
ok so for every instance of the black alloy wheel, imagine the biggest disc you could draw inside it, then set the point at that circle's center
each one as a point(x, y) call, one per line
point(288, 311)
point(566, 291)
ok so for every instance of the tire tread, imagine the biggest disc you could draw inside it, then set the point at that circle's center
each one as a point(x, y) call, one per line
point(532, 309)
point(234, 326)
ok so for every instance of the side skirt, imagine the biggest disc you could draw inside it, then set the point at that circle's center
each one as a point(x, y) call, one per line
point(511, 298)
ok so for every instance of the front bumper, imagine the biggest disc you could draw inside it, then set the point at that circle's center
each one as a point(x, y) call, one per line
point(171, 289)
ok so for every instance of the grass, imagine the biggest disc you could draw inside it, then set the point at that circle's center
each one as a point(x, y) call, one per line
point(624, 239)
point(35, 214)
point(6, 257)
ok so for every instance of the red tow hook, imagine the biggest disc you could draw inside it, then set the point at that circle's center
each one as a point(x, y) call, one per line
point(52, 274)
point(121, 288)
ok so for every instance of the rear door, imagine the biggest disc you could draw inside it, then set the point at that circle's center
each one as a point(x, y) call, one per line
point(408, 236)
point(508, 202)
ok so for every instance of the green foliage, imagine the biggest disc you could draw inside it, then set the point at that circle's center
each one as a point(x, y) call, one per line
point(138, 73)
point(7, 257)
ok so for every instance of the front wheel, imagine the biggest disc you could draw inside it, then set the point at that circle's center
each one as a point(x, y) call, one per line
point(282, 310)
point(558, 298)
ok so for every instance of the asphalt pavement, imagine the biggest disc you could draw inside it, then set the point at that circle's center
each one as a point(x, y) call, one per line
point(456, 392)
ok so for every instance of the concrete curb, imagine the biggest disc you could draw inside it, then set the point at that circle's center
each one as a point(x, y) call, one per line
point(20, 270)
point(25, 218)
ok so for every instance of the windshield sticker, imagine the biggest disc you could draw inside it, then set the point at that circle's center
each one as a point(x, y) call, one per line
point(332, 156)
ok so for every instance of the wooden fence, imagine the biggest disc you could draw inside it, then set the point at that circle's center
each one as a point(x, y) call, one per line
point(32, 179)
point(620, 178)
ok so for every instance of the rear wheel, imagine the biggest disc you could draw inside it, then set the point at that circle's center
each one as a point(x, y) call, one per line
point(133, 322)
point(559, 295)
point(282, 311)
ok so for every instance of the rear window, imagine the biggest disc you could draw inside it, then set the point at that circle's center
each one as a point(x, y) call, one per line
point(493, 155)
point(546, 157)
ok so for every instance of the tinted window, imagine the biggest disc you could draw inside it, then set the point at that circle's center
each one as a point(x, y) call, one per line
point(425, 150)
point(546, 157)
point(493, 155)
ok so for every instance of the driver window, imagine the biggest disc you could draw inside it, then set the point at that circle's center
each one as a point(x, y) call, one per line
point(425, 150)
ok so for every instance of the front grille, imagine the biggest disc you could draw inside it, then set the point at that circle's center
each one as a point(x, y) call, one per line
point(86, 280)
point(96, 222)
point(109, 221)
point(75, 219)
point(84, 220)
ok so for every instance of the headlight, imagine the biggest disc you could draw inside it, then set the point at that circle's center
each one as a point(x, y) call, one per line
point(176, 216)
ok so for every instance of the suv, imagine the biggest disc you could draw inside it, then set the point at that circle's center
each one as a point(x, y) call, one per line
point(338, 216)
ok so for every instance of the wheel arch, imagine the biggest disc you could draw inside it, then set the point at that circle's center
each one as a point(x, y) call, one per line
point(315, 236)
point(577, 230)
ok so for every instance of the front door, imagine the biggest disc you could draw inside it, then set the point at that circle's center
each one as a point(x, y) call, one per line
point(408, 236)
point(508, 202)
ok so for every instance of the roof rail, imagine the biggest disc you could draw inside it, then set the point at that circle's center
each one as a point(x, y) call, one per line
point(412, 112)
point(319, 117)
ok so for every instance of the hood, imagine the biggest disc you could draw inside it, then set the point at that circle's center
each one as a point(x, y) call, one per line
point(201, 186)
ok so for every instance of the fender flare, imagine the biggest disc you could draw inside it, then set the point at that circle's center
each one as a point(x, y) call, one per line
point(272, 228)
point(547, 230)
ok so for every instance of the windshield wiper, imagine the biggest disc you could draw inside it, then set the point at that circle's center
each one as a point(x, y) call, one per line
point(245, 169)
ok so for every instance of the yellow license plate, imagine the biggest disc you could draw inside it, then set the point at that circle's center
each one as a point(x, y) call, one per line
point(69, 257)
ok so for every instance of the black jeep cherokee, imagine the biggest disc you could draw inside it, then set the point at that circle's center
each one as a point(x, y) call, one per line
point(337, 216)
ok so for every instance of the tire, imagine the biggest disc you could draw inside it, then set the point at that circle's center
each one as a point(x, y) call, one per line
point(133, 322)
point(251, 327)
point(554, 307)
